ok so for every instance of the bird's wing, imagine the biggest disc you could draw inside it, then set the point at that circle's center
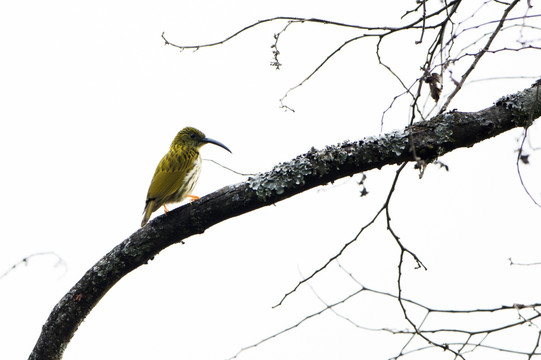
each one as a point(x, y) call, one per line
point(169, 177)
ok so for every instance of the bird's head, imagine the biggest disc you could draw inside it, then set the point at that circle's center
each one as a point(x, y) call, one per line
point(192, 137)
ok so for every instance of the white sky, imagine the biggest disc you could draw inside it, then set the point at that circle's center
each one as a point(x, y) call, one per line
point(90, 99)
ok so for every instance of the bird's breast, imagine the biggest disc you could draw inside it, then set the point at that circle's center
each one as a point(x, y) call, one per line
point(192, 176)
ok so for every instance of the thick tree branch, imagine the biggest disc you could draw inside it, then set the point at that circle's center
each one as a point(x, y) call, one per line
point(431, 138)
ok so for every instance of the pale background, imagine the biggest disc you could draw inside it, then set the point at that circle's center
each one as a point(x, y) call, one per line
point(90, 99)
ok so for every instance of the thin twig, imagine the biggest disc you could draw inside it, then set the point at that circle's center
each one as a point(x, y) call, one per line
point(26, 260)
point(233, 171)
point(478, 56)
point(337, 255)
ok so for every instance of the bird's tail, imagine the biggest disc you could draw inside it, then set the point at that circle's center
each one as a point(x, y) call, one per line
point(149, 209)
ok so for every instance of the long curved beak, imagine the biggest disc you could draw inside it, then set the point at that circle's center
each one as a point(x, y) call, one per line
point(215, 142)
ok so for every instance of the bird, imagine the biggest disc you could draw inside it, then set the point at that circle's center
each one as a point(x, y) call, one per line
point(178, 171)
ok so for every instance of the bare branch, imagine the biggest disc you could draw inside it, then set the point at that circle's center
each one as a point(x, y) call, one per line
point(297, 324)
point(26, 260)
point(277, 18)
point(537, 100)
point(330, 260)
point(479, 56)
point(282, 105)
point(462, 348)
point(512, 263)
point(275, 52)
point(432, 138)
point(517, 164)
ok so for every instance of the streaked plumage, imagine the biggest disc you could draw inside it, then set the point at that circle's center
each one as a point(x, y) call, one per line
point(178, 171)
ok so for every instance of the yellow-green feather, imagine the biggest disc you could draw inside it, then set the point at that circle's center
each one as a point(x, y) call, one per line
point(172, 180)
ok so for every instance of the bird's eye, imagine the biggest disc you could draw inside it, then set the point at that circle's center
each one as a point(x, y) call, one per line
point(192, 135)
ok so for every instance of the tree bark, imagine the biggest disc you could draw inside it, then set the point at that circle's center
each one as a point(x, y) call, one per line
point(431, 139)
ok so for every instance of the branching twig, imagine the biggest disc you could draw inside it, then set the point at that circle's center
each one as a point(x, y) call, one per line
point(478, 56)
point(512, 263)
point(517, 164)
point(282, 99)
point(275, 52)
point(330, 260)
point(537, 86)
point(417, 331)
point(277, 18)
point(297, 324)
point(26, 259)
